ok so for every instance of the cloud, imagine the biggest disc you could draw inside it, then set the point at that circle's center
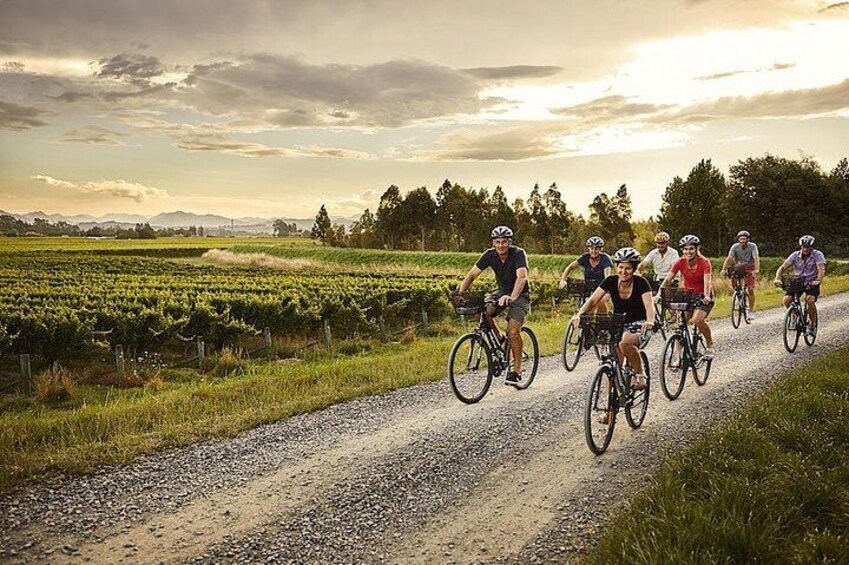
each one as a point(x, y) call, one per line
point(118, 188)
point(92, 135)
point(609, 109)
point(131, 67)
point(513, 144)
point(513, 72)
point(835, 6)
point(18, 118)
point(775, 67)
point(72, 96)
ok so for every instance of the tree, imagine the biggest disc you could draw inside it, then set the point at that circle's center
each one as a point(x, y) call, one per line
point(322, 226)
point(558, 218)
point(283, 229)
point(418, 215)
point(388, 217)
point(499, 211)
point(363, 232)
point(610, 218)
point(698, 206)
point(539, 221)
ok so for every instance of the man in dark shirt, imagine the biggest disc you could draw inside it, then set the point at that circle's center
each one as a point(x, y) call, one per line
point(510, 264)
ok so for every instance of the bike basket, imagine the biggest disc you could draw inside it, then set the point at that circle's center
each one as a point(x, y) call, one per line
point(468, 303)
point(602, 329)
point(793, 285)
point(576, 287)
point(737, 273)
point(678, 298)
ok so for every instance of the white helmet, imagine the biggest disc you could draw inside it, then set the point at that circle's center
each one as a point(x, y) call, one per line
point(627, 255)
point(690, 240)
point(595, 241)
point(807, 240)
point(501, 231)
point(743, 233)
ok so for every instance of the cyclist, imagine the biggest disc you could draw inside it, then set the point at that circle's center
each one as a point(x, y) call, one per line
point(631, 295)
point(510, 265)
point(809, 263)
point(696, 272)
point(596, 264)
point(744, 254)
point(661, 258)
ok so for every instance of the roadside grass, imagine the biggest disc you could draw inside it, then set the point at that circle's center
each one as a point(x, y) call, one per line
point(769, 486)
point(91, 425)
point(84, 244)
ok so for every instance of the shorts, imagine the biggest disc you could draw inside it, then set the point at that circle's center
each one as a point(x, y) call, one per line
point(705, 307)
point(750, 278)
point(809, 290)
point(517, 310)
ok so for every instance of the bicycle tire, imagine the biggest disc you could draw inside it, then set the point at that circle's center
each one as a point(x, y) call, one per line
point(470, 387)
point(745, 308)
point(673, 350)
point(701, 371)
point(601, 399)
point(640, 398)
point(531, 357)
point(791, 329)
point(736, 314)
point(572, 338)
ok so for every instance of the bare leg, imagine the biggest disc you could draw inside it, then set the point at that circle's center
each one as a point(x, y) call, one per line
point(812, 309)
point(490, 313)
point(629, 346)
point(700, 322)
point(514, 331)
point(751, 293)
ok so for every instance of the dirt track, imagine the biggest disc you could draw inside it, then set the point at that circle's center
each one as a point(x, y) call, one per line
point(412, 476)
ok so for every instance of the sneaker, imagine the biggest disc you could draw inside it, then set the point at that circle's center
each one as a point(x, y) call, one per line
point(750, 315)
point(513, 378)
point(812, 331)
point(638, 382)
point(708, 354)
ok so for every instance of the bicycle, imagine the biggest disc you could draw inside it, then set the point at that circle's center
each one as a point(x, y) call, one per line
point(796, 321)
point(479, 356)
point(740, 298)
point(683, 350)
point(664, 318)
point(573, 347)
point(610, 389)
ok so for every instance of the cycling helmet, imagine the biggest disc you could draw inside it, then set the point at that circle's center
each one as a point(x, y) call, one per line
point(501, 231)
point(690, 240)
point(743, 233)
point(595, 241)
point(661, 237)
point(806, 240)
point(627, 255)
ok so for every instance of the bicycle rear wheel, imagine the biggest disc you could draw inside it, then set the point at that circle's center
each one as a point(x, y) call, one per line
point(600, 410)
point(470, 369)
point(736, 310)
point(638, 405)
point(701, 368)
point(673, 367)
point(791, 329)
point(530, 358)
point(573, 347)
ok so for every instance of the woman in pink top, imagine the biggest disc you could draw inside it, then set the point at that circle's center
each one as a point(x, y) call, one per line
point(696, 272)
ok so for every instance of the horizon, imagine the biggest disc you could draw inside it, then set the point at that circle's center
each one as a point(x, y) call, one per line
point(141, 111)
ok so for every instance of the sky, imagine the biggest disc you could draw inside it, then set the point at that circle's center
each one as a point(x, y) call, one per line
point(272, 108)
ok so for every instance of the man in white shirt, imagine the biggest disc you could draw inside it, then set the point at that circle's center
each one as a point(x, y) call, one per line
point(661, 258)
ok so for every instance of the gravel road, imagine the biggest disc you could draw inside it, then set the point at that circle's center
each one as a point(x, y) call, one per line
point(412, 476)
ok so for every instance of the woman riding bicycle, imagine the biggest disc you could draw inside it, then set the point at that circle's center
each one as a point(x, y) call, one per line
point(696, 272)
point(631, 295)
point(596, 264)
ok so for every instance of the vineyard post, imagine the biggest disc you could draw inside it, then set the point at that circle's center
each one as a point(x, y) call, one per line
point(327, 336)
point(424, 321)
point(26, 375)
point(201, 350)
point(382, 321)
point(266, 333)
point(119, 359)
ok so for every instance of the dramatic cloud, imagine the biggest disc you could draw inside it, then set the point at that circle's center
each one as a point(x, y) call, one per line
point(118, 188)
point(513, 144)
point(608, 109)
point(17, 118)
point(836, 6)
point(92, 135)
point(513, 72)
point(131, 67)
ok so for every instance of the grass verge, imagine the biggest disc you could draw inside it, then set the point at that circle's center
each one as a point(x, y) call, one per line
point(769, 486)
point(95, 425)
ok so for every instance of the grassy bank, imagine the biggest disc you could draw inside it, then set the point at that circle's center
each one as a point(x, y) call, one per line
point(769, 486)
point(94, 425)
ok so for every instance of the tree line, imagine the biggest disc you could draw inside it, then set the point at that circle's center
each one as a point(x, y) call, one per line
point(775, 198)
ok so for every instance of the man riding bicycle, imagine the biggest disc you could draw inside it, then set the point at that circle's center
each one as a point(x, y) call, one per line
point(510, 265)
point(810, 264)
point(696, 272)
point(631, 295)
point(744, 254)
point(596, 264)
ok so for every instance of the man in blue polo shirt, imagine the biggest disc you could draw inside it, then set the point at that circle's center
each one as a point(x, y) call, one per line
point(510, 265)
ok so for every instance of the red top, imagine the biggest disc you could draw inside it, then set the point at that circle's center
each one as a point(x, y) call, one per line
point(693, 277)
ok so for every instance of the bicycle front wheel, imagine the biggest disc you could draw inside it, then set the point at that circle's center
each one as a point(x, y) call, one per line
point(470, 368)
point(810, 339)
point(600, 410)
point(736, 310)
point(638, 404)
point(791, 329)
point(701, 368)
point(530, 358)
point(673, 367)
point(572, 347)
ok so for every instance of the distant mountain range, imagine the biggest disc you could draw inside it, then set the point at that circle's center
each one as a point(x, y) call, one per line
point(178, 219)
